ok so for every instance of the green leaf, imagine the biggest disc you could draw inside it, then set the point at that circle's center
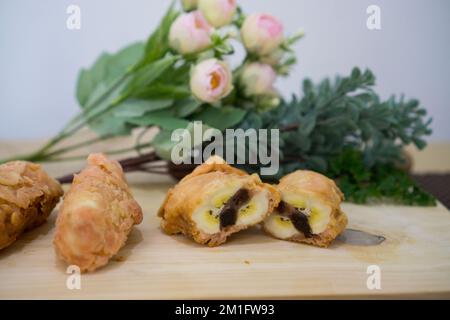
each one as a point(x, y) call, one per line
point(220, 118)
point(163, 91)
point(111, 126)
point(308, 124)
point(105, 72)
point(90, 78)
point(84, 86)
point(125, 59)
point(149, 73)
point(184, 108)
point(163, 119)
point(101, 119)
point(136, 108)
point(317, 163)
point(158, 43)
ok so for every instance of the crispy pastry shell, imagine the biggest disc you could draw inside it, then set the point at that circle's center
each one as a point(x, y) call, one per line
point(97, 215)
point(27, 197)
point(182, 200)
point(320, 188)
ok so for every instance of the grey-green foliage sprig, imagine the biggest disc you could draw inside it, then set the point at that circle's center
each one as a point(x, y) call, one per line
point(345, 113)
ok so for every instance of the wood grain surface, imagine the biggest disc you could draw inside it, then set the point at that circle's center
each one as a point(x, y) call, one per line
point(414, 259)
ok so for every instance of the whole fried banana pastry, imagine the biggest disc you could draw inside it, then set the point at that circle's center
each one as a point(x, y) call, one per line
point(215, 201)
point(97, 214)
point(27, 197)
point(309, 211)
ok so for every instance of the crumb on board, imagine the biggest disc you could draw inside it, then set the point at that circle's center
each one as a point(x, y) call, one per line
point(247, 262)
point(119, 258)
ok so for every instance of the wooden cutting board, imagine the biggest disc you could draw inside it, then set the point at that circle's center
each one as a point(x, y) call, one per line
point(414, 261)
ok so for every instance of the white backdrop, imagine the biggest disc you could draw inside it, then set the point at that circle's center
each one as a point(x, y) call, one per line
point(40, 57)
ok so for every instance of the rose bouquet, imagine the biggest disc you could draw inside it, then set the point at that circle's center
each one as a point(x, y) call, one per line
point(182, 74)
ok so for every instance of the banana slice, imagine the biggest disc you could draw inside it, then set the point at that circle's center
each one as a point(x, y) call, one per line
point(311, 218)
point(317, 212)
point(222, 197)
point(207, 216)
point(296, 200)
point(207, 219)
point(253, 212)
point(280, 227)
point(319, 217)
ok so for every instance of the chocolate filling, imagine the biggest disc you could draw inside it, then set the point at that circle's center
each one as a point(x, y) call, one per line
point(297, 217)
point(229, 213)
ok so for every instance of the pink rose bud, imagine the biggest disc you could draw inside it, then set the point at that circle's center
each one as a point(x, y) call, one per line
point(258, 79)
point(219, 13)
point(262, 33)
point(190, 33)
point(189, 5)
point(211, 80)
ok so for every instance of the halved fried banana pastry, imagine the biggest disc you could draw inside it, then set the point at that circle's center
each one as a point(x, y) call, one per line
point(96, 216)
point(215, 201)
point(309, 211)
point(27, 197)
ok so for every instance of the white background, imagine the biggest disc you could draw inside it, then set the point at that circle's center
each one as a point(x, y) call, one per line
point(40, 57)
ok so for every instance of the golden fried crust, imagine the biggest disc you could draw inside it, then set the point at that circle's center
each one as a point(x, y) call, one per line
point(96, 216)
point(336, 226)
point(27, 197)
point(323, 189)
point(314, 184)
point(215, 164)
point(182, 200)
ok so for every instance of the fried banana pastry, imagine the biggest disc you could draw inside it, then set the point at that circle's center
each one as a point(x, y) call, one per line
point(97, 214)
point(215, 201)
point(27, 197)
point(309, 211)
